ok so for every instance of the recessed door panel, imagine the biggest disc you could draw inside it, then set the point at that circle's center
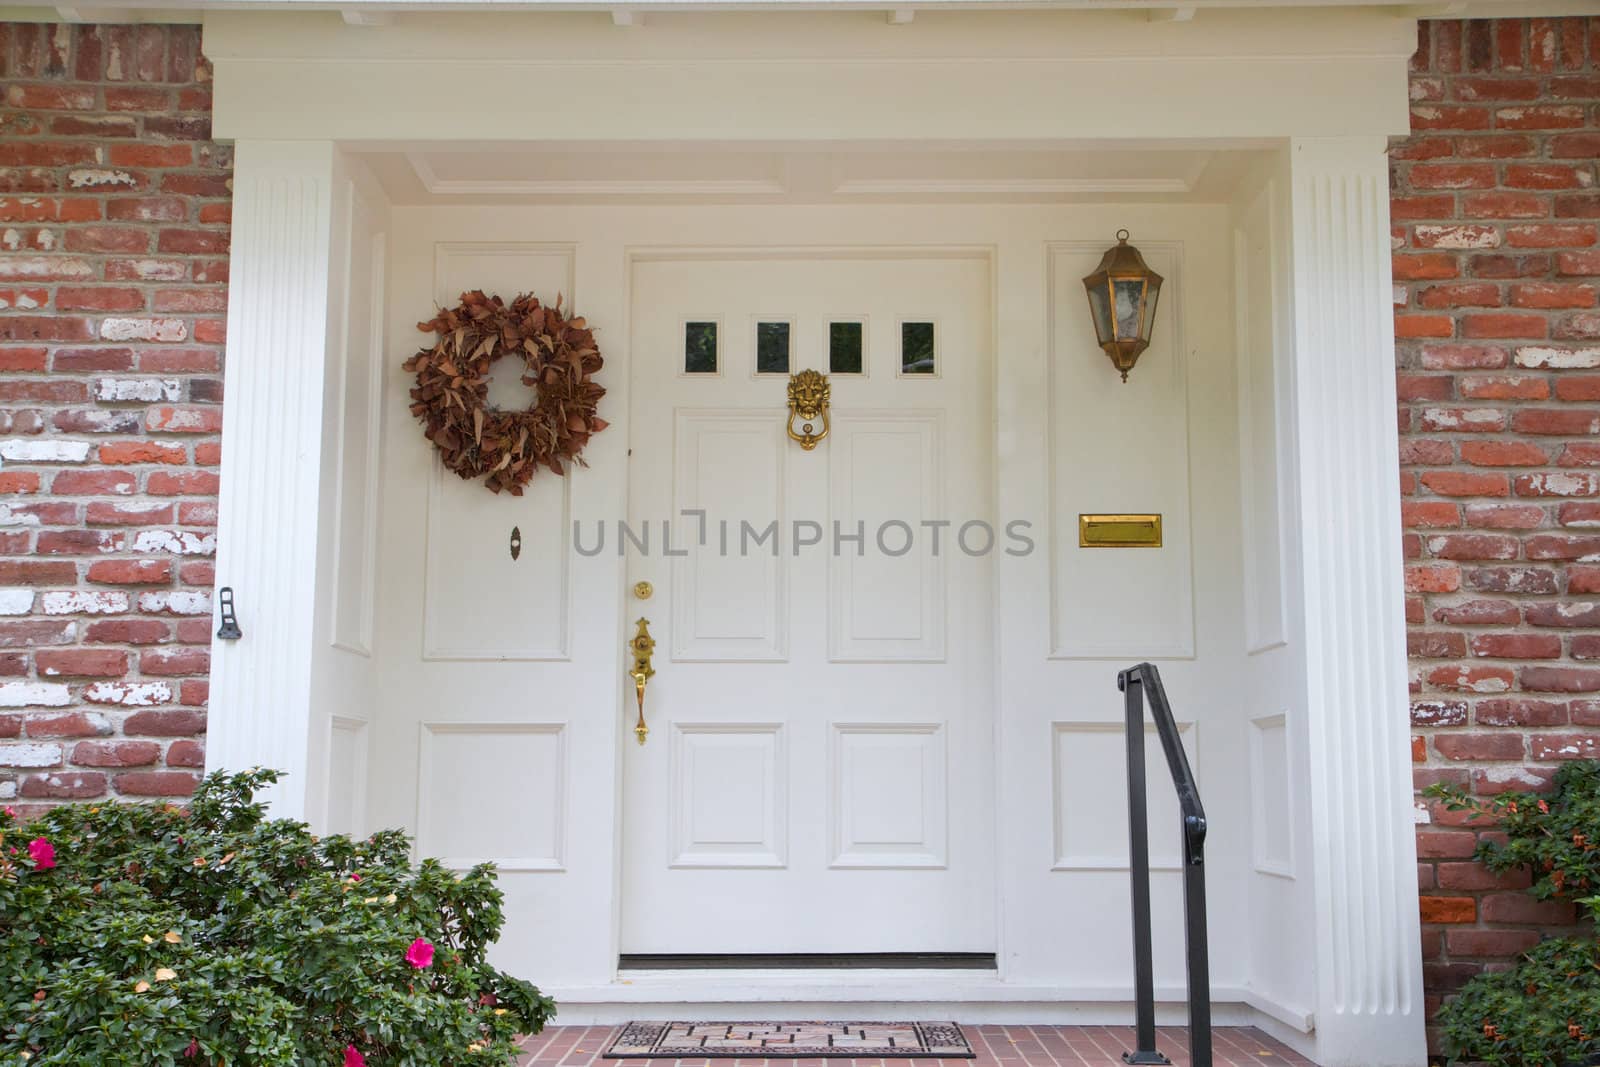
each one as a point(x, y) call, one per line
point(729, 603)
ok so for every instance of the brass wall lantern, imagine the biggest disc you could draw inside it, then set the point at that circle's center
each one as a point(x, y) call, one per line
point(1122, 302)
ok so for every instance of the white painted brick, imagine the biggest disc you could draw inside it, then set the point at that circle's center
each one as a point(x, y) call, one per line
point(143, 330)
point(100, 178)
point(43, 450)
point(11, 239)
point(129, 694)
point(1448, 420)
point(16, 601)
point(65, 780)
point(159, 270)
point(1558, 358)
point(178, 603)
point(53, 268)
point(33, 694)
point(8, 790)
point(1458, 236)
point(13, 518)
point(138, 389)
point(98, 420)
point(84, 602)
point(178, 542)
point(133, 508)
point(30, 755)
point(1565, 483)
point(1515, 777)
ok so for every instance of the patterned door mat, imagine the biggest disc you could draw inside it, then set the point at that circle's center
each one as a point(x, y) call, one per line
point(674, 1040)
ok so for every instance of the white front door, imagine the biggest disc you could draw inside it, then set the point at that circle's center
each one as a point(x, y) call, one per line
point(818, 774)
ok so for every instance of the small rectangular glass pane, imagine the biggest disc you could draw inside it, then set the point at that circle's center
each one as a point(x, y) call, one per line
point(1100, 309)
point(700, 347)
point(845, 347)
point(1130, 303)
point(772, 348)
point(916, 348)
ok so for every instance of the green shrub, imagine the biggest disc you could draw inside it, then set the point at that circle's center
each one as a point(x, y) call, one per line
point(137, 935)
point(1546, 1009)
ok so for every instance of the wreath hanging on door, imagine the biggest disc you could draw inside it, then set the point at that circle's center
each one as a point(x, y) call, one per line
point(451, 397)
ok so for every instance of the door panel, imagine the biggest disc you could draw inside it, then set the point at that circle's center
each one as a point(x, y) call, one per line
point(886, 599)
point(817, 776)
point(728, 606)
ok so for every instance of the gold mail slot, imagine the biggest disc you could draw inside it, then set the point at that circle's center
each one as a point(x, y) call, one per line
point(1119, 531)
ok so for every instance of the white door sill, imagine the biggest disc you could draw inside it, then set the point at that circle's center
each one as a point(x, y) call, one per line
point(963, 995)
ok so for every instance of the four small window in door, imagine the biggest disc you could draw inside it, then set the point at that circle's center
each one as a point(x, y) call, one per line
point(847, 347)
point(773, 339)
point(701, 353)
point(918, 351)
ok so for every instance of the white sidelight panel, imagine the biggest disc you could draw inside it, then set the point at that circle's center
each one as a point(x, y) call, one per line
point(272, 453)
point(300, 461)
point(1369, 1008)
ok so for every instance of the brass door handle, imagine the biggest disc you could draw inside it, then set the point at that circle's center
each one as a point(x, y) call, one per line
point(641, 647)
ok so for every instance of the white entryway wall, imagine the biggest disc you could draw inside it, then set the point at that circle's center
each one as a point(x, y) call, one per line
point(502, 717)
point(494, 725)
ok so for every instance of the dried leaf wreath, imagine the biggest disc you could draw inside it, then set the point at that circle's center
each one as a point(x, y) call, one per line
point(451, 396)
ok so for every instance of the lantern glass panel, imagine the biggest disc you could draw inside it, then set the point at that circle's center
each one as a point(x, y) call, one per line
point(1129, 307)
point(1100, 309)
point(1150, 312)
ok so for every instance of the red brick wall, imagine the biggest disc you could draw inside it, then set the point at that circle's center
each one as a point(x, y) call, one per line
point(113, 284)
point(1496, 223)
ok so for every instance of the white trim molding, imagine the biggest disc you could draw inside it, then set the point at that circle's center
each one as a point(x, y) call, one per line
point(272, 441)
point(1369, 1006)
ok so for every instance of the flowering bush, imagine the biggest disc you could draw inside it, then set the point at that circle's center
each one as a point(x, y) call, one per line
point(211, 936)
point(1546, 1009)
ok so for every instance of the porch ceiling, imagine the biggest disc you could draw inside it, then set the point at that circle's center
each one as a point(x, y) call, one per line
point(626, 12)
point(701, 172)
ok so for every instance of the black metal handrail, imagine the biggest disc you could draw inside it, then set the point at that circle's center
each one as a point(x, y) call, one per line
point(1139, 684)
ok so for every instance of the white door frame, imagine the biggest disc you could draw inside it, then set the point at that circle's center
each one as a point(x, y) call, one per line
point(1326, 88)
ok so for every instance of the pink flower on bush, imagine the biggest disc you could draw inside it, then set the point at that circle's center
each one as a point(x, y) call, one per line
point(420, 954)
point(353, 1057)
point(43, 853)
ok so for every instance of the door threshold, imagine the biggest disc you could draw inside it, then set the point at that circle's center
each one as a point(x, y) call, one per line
point(806, 961)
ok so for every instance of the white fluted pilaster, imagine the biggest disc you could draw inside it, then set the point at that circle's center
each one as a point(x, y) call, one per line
point(1368, 967)
point(272, 440)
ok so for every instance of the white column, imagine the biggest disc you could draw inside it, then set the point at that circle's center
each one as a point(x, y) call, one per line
point(1369, 1009)
point(271, 460)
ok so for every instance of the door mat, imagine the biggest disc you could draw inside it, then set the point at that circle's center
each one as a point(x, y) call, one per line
point(674, 1040)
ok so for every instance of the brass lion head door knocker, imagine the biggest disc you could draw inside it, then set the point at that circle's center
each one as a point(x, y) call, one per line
point(808, 401)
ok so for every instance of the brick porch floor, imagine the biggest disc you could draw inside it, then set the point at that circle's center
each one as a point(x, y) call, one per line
point(996, 1046)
